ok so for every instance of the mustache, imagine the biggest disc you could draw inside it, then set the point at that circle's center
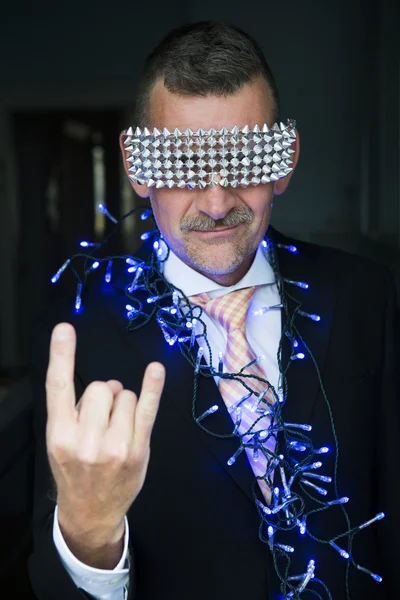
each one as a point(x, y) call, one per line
point(235, 216)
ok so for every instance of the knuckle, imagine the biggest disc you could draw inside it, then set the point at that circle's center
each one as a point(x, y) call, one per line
point(148, 413)
point(88, 450)
point(97, 387)
point(59, 447)
point(55, 381)
point(87, 456)
point(96, 390)
point(138, 454)
point(118, 453)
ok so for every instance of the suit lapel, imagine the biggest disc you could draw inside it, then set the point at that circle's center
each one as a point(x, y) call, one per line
point(303, 383)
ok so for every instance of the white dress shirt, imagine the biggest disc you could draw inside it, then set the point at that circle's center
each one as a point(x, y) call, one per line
point(263, 331)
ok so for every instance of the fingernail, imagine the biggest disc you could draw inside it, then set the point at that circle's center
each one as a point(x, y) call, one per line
point(61, 332)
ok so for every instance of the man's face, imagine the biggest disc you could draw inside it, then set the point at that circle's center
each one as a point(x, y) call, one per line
point(214, 230)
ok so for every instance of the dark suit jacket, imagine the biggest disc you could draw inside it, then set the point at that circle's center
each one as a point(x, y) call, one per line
point(194, 527)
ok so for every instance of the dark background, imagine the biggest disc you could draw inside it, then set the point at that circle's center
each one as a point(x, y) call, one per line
point(67, 84)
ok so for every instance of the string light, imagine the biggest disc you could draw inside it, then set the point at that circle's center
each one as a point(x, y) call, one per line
point(296, 446)
point(318, 489)
point(78, 298)
point(95, 265)
point(153, 299)
point(220, 362)
point(255, 451)
point(298, 356)
point(323, 478)
point(205, 414)
point(251, 363)
point(374, 576)
point(280, 396)
point(292, 340)
point(284, 547)
point(238, 423)
point(343, 500)
point(60, 271)
point(105, 211)
point(178, 326)
point(343, 553)
point(378, 517)
point(301, 284)
point(283, 505)
point(235, 406)
point(199, 356)
point(138, 273)
point(308, 577)
point(271, 533)
point(265, 509)
point(309, 315)
point(304, 578)
point(265, 309)
point(315, 465)
point(323, 450)
point(233, 458)
point(259, 398)
point(302, 527)
point(146, 214)
point(107, 277)
point(284, 482)
point(291, 248)
point(304, 427)
point(85, 244)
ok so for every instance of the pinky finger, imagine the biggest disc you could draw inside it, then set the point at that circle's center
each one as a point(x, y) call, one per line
point(148, 403)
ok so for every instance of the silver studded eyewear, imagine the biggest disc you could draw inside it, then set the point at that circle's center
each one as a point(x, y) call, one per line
point(210, 157)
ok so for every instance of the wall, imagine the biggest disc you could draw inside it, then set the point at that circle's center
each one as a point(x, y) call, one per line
point(315, 49)
point(329, 59)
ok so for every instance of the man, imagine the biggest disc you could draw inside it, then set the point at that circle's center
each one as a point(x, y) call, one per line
point(230, 502)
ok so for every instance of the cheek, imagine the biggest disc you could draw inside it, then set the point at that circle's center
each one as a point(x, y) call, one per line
point(168, 213)
point(259, 199)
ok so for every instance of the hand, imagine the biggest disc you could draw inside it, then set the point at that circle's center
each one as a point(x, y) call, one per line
point(98, 449)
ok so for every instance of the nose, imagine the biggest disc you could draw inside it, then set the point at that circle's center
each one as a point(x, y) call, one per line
point(215, 202)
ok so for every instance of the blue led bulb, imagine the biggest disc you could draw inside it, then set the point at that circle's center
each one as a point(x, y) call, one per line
point(60, 271)
point(105, 211)
point(108, 271)
point(145, 214)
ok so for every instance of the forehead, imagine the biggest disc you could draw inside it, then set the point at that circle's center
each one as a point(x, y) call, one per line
point(249, 106)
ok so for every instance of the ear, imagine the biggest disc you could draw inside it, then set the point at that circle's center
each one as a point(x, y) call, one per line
point(281, 185)
point(141, 190)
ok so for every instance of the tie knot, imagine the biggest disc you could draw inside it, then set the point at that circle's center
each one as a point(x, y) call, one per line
point(230, 310)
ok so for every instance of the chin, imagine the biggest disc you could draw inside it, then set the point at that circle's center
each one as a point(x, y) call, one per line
point(215, 263)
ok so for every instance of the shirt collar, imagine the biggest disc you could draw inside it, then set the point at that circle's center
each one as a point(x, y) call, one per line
point(191, 282)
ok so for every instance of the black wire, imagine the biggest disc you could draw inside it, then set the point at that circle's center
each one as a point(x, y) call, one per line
point(155, 284)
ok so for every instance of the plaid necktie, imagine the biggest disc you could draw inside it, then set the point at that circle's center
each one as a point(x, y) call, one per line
point(231, 311)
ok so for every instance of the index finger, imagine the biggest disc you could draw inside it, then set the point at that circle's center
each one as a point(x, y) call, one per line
point(60, 389)
point(148, 403)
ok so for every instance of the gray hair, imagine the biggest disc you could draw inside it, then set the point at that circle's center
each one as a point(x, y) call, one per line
point(204, 58)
